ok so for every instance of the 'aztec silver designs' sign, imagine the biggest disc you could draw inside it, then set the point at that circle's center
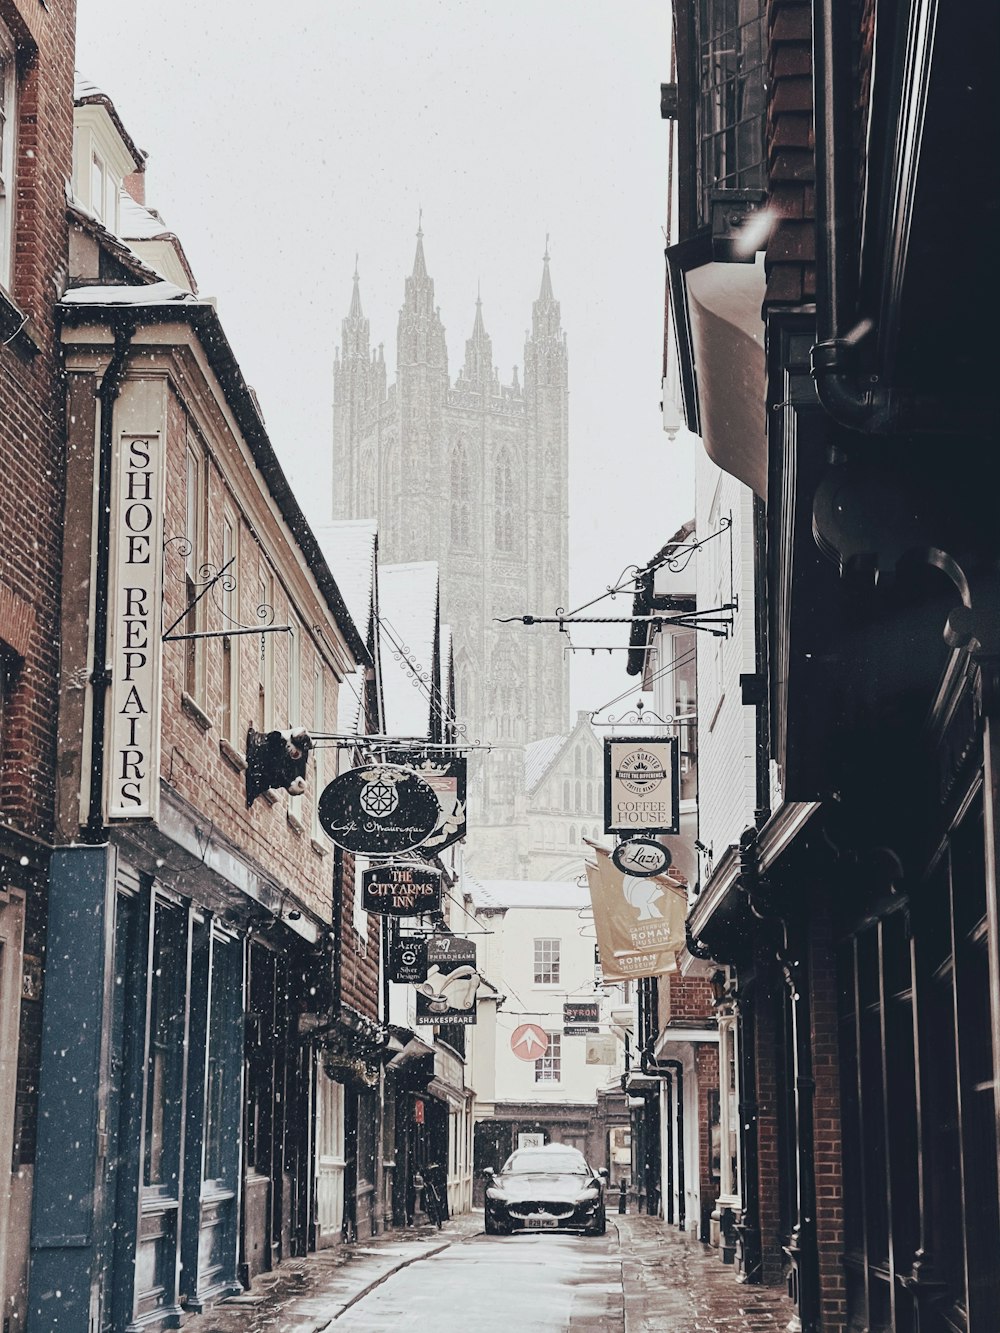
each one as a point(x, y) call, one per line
point(641, 788)
point(379, 810)
point(135, 565)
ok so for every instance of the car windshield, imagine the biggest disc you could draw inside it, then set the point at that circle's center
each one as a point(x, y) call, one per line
point(538, 1163)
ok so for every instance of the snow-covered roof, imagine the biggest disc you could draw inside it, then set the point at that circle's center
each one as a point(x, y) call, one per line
point(350, 547)
point(408, 603)
point(447, 648)
point(153, 293)
point(527, 893)
point(539, 755)
point(87, 93)
point(138, 223)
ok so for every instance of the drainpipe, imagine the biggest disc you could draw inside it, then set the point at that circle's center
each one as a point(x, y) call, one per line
point(859, 402)
point(100, 677)
point(670, 1147)
point(681, 1201)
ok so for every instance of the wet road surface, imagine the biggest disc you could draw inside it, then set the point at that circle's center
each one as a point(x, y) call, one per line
point(531, 1283)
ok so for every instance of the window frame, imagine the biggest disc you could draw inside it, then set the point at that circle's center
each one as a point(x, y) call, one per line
point(9, 115)
point(550, 964)
point(548, 1067)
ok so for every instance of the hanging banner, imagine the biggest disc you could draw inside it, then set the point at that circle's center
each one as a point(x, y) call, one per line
point(401, 890)
point(641, 787)
point(408, 959)
point(448, 992)
point(135, 566)
point(639, 922)
point(447, 777)
point(379, 810)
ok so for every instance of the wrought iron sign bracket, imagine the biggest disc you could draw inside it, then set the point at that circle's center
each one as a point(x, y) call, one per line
point(209, 578)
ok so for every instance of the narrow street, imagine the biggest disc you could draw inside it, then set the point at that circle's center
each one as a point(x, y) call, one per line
point(642, 1277)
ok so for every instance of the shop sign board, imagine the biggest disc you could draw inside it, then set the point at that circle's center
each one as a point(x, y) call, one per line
point(408, 960)
point(641, 857)
point(447, 776)
point(401, 890)
point(529, 1041)
point(378, 810)
point(581, 1017)
point(601, 1050)
point(135, 566)
point(641, 787)
point(448, 991)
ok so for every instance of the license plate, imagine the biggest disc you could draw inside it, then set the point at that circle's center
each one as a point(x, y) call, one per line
point(541, 1221)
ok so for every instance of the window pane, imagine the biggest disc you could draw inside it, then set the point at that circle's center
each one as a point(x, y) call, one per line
point(546, 962)
point(166, 1033)
point(548, 1069)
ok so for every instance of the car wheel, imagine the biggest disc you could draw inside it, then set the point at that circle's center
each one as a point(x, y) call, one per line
point(600, 1225)
point(491, 1227)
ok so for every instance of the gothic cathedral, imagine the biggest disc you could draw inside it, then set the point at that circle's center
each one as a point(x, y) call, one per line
point(473, 475)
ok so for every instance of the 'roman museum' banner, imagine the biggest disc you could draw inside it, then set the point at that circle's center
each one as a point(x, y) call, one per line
point(640, 922)
point(135, 595)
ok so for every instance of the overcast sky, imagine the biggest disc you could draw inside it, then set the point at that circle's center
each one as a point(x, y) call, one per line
point(283, 140)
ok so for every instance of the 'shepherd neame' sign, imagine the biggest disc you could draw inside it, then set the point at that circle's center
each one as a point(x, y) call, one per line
point(641, 789)
point(401, 890)
point(135, 557)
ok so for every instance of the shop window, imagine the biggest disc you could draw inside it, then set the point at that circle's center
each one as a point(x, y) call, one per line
point(729, 1123)
point(164, 1063)
point(548, 1068)
point(546, 962)
point(222, 1104)
point(8, 126)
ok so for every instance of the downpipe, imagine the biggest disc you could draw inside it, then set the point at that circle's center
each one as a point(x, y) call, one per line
point(678, 1069)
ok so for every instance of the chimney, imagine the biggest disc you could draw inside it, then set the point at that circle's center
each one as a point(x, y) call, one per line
point(135, 185)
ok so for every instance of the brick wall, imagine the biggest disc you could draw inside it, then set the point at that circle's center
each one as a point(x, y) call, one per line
point(31, 455)
point(766, 1055)
point(826, 1119)
point(791, 252)
point(359, 959)
point(685, 998)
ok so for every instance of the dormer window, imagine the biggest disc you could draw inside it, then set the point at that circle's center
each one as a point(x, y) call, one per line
point(103, 154)
point(8, 125)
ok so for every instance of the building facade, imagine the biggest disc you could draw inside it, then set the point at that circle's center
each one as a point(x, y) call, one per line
point(472, 474)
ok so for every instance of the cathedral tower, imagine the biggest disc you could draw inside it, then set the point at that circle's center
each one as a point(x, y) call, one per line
point(472, 475)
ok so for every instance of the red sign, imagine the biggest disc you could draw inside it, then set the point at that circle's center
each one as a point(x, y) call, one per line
point(529, 1042)
point(418, 1111)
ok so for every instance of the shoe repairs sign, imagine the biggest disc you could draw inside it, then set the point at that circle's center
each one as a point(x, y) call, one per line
point(401, 890)
point(641, 787)
point(448, 992)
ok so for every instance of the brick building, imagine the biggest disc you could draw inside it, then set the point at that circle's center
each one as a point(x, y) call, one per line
point(190, 982)
point(36, 139)
point(827, 302)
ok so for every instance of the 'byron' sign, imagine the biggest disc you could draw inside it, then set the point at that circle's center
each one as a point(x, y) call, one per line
point(135, 594)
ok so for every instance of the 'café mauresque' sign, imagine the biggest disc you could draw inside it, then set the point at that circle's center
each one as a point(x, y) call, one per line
point(135, 566)
point(641, 788)
point(379, 810)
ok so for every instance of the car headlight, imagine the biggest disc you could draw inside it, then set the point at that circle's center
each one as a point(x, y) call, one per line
point(497, 1196)
point(585, 1196)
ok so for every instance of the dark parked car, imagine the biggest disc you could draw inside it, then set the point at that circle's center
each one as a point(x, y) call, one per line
point(545, 1189)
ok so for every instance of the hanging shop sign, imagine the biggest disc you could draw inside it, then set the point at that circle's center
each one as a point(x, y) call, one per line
point(379, 810)
point(529, 1041)
point(581, 1017)
point(601, 1051)
point(135, 568)
point(401, 890)
point(639, 922)
point(641, 787)
point(447, 993)
point(641, 857)
point(408, 960)
point(447, 777)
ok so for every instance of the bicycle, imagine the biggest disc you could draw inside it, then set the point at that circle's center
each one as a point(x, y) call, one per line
point(432, 1199)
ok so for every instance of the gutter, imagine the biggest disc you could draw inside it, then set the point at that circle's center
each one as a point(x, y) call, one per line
point(100, 676)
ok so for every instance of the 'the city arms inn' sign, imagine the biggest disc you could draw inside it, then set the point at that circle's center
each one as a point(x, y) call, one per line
point(135, 594)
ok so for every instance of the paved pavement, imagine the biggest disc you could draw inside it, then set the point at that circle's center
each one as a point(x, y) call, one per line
point(643, 1277)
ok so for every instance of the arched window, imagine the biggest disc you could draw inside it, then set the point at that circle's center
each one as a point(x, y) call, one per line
point(590, 763)
point(590, 796)
point(579, 796)
point(572, 835)
point(577, 763)
point(565, 795)
point(461, 496)
point(503, 502)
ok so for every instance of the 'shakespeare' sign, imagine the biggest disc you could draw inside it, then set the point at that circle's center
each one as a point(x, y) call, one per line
point(448, 992)
point(401, 890)
point(641, 788)
point(135, 566)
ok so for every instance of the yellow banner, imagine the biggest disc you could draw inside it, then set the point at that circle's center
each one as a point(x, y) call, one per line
point(640, 922)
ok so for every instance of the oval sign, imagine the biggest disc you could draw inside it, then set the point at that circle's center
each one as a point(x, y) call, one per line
point(641, 857)
point(378, 810)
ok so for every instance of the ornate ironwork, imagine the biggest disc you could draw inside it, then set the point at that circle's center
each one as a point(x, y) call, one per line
point(210, 578)
point(640, 715)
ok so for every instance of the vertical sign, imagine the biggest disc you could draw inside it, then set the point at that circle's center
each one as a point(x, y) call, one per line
point(641, 788)
point(135, 594)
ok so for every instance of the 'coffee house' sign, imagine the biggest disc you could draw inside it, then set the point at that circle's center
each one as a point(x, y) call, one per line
point(135, 559)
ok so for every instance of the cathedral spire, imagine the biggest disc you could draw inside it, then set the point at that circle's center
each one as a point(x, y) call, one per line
point(478, 368)
point(355, 327)
point(420, 334)
point(545, 319)
point(356, 312)
point(419, 263)
point(545, 294)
